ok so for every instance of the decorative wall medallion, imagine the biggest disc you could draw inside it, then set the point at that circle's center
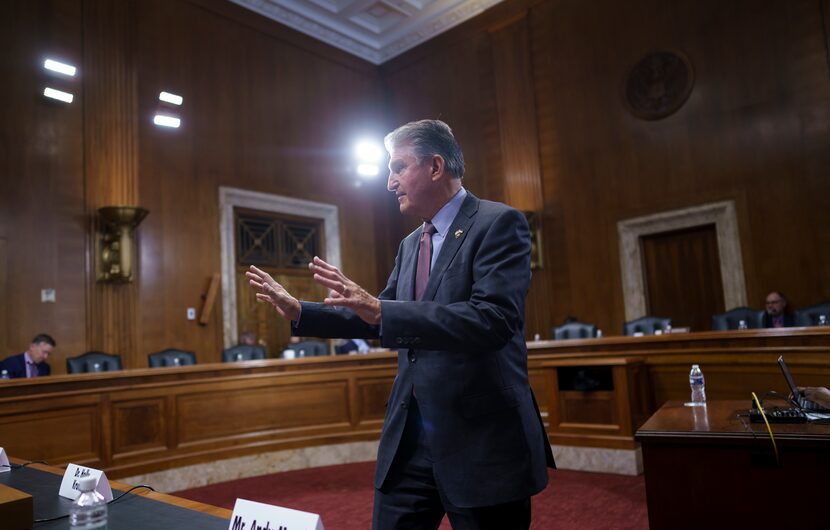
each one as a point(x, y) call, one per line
point(658, 84)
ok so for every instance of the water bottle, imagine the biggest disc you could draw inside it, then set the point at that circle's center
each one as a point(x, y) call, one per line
point(89, 511)
point(742, 324)
point(698, 386)
point(4, 374)
point(822, 321)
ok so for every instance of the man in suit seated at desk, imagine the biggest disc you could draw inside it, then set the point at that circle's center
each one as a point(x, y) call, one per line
point(777, 314)
point(32, 362)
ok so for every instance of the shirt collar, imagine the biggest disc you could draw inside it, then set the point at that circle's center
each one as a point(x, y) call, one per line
point(27, 358)
point(445, 216)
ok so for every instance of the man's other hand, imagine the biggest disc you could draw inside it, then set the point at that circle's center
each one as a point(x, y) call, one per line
point(345, 293)
point(268, 290)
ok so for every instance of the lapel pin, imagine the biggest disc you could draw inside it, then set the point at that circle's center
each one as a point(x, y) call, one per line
point(458, 233)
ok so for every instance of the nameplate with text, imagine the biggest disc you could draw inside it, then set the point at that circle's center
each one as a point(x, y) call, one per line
point(4, 461)
point(250, 515)
point(69, 484)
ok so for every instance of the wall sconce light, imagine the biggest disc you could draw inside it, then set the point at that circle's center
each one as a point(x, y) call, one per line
point(535, 221)
point(115, 246)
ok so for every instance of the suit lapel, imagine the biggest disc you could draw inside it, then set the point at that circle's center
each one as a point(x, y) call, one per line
point(406, 278)
point(452, 242)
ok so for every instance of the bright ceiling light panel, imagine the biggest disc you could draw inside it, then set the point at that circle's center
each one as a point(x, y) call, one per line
point(59, 67)
point(166, 121)
point(368, 151)
point(171, 98)
point(368, 170)
point(58, 94)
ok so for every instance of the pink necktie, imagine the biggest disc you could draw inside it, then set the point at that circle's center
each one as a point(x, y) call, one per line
point(424, 260)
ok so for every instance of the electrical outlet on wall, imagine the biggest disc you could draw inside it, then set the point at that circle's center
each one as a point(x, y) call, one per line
point(191, 313)
point(47, 295)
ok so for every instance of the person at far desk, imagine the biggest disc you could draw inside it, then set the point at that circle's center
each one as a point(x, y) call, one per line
point(247, 338)
point(462, 433)
point(777, 313)
point(32, 362)
point(817, 394)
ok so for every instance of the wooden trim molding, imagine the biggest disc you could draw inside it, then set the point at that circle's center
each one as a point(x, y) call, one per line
point(721, 214)
point(230, 198)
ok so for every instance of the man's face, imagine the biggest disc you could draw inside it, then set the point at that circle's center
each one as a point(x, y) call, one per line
point(411, 182)
point(40, 351)
point(775, 304)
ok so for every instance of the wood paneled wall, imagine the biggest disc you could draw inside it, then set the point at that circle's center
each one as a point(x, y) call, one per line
point(756, 130)
point(265, 109)
point(532, 89)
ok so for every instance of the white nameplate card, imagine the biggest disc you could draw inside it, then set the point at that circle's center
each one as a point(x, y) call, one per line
point(69, 484)
point(250, 515)
point(4, 461)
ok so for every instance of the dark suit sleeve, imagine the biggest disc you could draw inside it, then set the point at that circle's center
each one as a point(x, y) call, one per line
point(490, 316)
point(321, 320)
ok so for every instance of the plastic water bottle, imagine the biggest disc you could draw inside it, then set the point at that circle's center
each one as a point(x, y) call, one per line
point(822, 321)
point(742, 324)
point(89, 511)
point(698, 386)
point(4, 374)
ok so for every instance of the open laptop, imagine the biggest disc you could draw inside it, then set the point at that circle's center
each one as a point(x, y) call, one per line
point(797, 399)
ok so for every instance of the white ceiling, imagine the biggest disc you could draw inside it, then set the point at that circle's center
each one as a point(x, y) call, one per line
point(375, 30)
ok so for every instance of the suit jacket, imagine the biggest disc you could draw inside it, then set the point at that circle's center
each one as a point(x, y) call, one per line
point(788, 322)
point(16, 366)
point(463, 354)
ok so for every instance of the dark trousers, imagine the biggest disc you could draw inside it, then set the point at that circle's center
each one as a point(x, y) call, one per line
point(411, 500)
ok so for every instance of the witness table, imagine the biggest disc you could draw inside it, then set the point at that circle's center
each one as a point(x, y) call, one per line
point(709, 467)
point(139, 510)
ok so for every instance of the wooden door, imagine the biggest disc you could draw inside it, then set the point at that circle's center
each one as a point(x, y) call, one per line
point(682, 276)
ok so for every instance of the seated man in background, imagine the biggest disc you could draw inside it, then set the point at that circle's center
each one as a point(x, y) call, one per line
point(777, 314)
point(248, 338)
point(32, 362)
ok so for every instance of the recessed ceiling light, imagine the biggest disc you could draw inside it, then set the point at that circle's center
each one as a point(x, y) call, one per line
point(171, 98)
point(166, 121)
point(58, 94)
point(59, 67)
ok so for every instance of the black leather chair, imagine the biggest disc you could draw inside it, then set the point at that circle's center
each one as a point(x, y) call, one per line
point(171, 357)
point(243, 352)
point(93, 361)
point(754, 319)
point(309, 348)
point(645, 325)
point(574, 330)
point(809, 316)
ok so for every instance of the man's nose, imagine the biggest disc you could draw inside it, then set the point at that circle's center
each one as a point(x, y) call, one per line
point(391, 182)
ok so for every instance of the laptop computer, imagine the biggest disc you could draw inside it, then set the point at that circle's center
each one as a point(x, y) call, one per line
point(797, 399)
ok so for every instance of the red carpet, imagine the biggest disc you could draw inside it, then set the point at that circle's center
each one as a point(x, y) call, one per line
point(342, 495)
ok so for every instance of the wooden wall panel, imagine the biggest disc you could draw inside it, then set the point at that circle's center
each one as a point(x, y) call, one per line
point(754, 130)
point(138, 425)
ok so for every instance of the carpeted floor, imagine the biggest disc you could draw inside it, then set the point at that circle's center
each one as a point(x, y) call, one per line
point(342, 495)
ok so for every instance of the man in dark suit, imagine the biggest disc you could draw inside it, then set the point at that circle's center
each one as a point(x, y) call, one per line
point(462, 433)
point(32, 362)
point(776, 313)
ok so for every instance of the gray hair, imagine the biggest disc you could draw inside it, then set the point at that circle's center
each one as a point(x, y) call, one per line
point(427, 138)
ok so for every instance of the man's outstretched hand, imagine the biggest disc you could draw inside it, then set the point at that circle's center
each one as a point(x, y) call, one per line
point(343, 292)
point(268, 290)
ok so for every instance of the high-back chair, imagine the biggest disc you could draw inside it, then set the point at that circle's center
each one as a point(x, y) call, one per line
point(574, 330)
point(646, 325)
point(93, 361)
point(753, 318)
point(811, 316)
point(243, 352)
point(171, 357)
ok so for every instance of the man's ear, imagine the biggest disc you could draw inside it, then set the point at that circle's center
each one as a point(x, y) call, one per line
point(437, 167)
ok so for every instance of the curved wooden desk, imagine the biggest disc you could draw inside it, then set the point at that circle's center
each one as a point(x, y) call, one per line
point(138, 421)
